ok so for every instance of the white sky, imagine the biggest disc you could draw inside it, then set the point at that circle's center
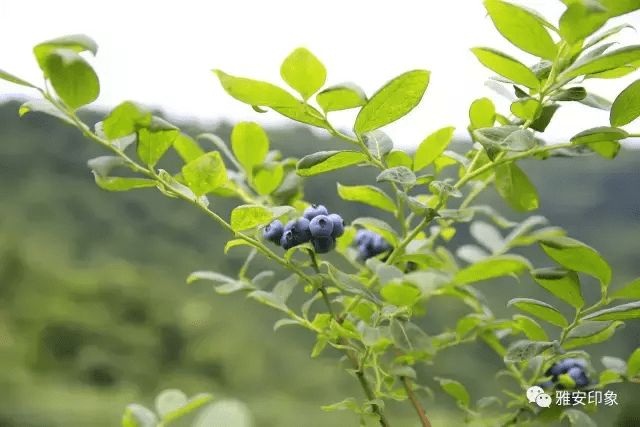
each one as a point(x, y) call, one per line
point(161, 53)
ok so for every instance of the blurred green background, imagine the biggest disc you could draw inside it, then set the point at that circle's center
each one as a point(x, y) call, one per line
point(95, 313)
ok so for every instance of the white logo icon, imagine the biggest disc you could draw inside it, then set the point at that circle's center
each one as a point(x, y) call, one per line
point(543, 400)
point(536, 394)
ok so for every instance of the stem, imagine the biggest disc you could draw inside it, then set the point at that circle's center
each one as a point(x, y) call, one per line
point(366, 387)
point(497, 162)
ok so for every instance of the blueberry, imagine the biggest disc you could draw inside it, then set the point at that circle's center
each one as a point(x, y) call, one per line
point(560, 368)
point(322, 244)
point(579, 376)
point(338, 225)
point(274, 231)
point(321, 226)
point(289, 226)
point(315, 210)
point(365, 251)
point(363, 236)
point(301, 231)
point(287, 241)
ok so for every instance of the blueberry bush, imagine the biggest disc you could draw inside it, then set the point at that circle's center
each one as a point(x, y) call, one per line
point(368, 302)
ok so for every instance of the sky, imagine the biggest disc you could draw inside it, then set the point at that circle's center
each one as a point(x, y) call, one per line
point(161, 54)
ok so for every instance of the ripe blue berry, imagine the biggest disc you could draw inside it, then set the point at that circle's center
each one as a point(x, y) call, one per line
point(321, 226)
point(579, 376)
point(338, 225)
point(322, 245)
point(301, 231)
point(287, 241)
point(274, 231)
point(363, 236)
point(315, 210)
point(289, 226)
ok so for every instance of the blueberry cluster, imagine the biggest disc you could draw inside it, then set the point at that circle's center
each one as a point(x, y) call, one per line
point(371, 244)
point(573, 367)
point(316, 226)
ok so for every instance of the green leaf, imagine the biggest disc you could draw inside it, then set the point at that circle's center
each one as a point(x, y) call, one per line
point(233, 243)
point(626, 107)
point(245, 217)
point(577, 256)
point(615, 364)
point(169, 401)
point(444, 189)
point(13, 79)
point(577, 93)
point(345, 404)
point(205, 174)
point(378, 143)
point(607, 149)
point(303, 113)
point(492, 267)
point(633, 364)
point(540, 309)
point(103, 165)
point(350, 284)
point(619, 312)
point(270, 299)
point(531, 328)
point(617, 58)
point(548, 111)
point(250, 144)
point(225, 413)
point(303, 72)
point(602, 36)
point(268, 180)
point(506, 66)
point(400, 294)
point(254, 92)
point(72, 78)
point(187, 148)
point(630, 291)
point(523, 350)
point(514, 186)
point(125, 119)
point(325, 161)
point(284, 322)
point(399, 174)
point(367, 194)
point(193, 404)
point(432, 147)
point(595, 101)
point(398, 158)
point(581, 19)
point(561, 283)
point(590, 333)
point(284, 288)
point(392, 101)
point(522, 28)
point(510, 137)
point(341, 97)
point(75, 42)
point(598, 134)
point(455, 390)
point(138, 416)
point(578, 418)
point(44, 106)
point(114, 183)
point(482, 113)
point(153, 142)
point(527, 108)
